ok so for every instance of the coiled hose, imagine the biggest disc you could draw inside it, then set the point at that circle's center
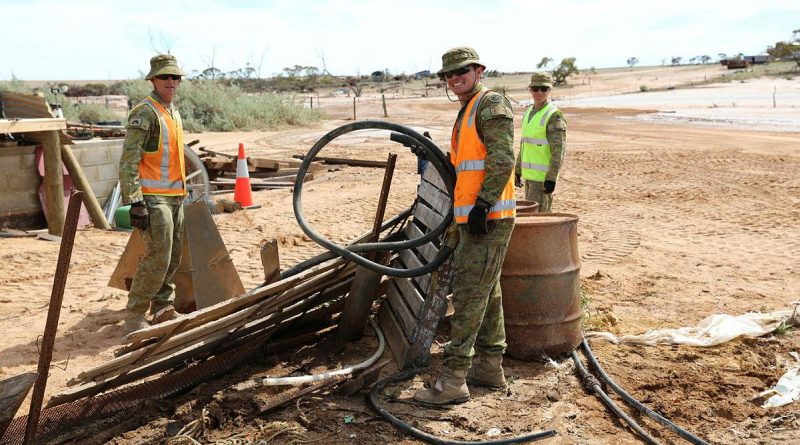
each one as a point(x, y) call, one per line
point(409, 373)
point(436, 158)
point(635, 403)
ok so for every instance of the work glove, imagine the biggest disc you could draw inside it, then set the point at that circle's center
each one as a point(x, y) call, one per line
point(518, 179)
point(476, 221)
point(140, 217)
point(549, 186)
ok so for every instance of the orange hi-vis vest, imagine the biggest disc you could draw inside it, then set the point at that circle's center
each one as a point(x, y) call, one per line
point(468, 156)
point(162, 172)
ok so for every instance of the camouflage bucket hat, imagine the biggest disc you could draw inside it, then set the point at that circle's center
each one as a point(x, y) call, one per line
point(164, 64)
point(459, 57)
point(540, 80)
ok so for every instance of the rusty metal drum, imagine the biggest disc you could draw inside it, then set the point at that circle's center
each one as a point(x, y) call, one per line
point(525, 207)
point(540, 281)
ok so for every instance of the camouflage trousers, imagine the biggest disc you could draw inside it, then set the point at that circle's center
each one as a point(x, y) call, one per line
point(153, 280)
point(534, 191)
point(477, 325)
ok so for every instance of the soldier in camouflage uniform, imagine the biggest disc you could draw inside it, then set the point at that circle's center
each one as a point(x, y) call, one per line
point(152, 178)
point(541, 149)
point(484, 217)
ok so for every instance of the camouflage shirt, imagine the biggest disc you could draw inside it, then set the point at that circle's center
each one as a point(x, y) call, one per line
point(495, 124)
point(556, 132)
point(141, 136)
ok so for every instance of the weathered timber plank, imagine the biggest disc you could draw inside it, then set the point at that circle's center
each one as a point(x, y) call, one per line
point(426, 216)
point(400, 309)
point(437, 199)
point(397, 341)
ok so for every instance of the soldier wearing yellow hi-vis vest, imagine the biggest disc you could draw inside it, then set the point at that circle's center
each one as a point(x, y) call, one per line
point(544, 134)
point(152, 179)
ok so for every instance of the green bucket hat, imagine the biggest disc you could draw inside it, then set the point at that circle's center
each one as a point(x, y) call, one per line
point(540, 80)
point(164, 64)
point(458, 57)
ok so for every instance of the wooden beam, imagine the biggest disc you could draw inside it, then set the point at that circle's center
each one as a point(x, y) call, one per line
point(76, 172)
point(53, 182)
point(30, 125)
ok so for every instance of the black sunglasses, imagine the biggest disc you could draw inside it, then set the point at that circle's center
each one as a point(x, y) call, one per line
point(168, 76)
point(539, 89)
point(457, 72)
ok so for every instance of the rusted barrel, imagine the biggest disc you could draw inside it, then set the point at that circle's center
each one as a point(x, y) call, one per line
point(525, 207)
point(540, 280)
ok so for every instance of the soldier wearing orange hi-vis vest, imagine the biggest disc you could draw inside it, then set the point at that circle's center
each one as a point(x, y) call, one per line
point(482, 153)
point(153, 182)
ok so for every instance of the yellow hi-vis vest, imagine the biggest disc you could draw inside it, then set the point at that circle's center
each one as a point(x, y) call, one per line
point(534, 146)
point(162, 172)
point(468, 156)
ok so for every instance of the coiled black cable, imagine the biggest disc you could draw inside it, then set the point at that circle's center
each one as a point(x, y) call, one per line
point(409, 373)
point(437, 159)
point(635, 403)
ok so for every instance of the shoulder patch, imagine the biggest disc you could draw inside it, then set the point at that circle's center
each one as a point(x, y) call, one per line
point(495, 98)
point(135, 122)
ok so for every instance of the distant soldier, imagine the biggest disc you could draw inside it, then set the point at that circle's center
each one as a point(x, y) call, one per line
point(153, 180)
point(482, 152)
point(541, 149)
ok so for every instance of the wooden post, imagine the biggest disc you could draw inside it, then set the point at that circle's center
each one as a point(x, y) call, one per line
point(385, 113)
point(311, 101)
point(354, 108)
point(53, 182)
point(82, 184)
point(365, 282)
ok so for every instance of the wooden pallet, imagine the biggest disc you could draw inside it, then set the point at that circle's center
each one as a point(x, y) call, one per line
point(413, 307)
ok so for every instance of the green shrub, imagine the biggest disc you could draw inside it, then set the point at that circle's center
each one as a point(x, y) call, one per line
point(88, 113)
point(643, 88)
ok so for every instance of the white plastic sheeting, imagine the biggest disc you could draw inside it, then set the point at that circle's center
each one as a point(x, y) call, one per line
point(713, 330)
point(787, 390)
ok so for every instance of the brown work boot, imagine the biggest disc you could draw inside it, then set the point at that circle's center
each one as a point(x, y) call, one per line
point(162, 313)
point(449, 388)
point(135, 322)
point(488, 371)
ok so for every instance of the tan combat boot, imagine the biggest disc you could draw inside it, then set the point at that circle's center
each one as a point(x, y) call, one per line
point(488, 371)
point(450, 387)
point(135, 322)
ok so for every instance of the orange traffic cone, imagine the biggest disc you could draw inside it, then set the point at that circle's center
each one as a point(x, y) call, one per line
point(242, 193)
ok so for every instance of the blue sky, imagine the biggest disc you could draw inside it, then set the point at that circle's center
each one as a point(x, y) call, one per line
point(111, 40)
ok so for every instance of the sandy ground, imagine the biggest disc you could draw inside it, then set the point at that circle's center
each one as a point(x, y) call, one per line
point(680, 218)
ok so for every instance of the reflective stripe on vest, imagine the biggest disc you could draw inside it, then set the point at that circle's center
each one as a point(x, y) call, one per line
point(162, 172)
point(535, 148)
point(468, 155)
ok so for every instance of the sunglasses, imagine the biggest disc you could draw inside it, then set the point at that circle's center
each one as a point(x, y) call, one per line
point(459, 72)
point(539, 89)
point(168, 76)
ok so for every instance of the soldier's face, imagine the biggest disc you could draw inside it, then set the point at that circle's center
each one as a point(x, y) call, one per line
point(166, 88)
point(463, 84)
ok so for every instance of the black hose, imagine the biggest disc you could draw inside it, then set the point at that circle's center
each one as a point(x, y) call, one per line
point(635, 403)
point(409, 373)
point(434, 155)
point(594, 386)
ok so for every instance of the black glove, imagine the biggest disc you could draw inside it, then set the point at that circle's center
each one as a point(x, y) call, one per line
point(140, 217)
point(476, 221)
point(518, 179)
point(549, 186)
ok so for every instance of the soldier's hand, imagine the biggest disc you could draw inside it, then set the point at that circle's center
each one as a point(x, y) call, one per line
point(518, 179)
point(140, 217)
point(549, 186)
point(476, 221)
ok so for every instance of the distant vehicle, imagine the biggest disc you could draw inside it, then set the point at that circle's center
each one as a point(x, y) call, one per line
point(761, 58)
point(735, 63)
